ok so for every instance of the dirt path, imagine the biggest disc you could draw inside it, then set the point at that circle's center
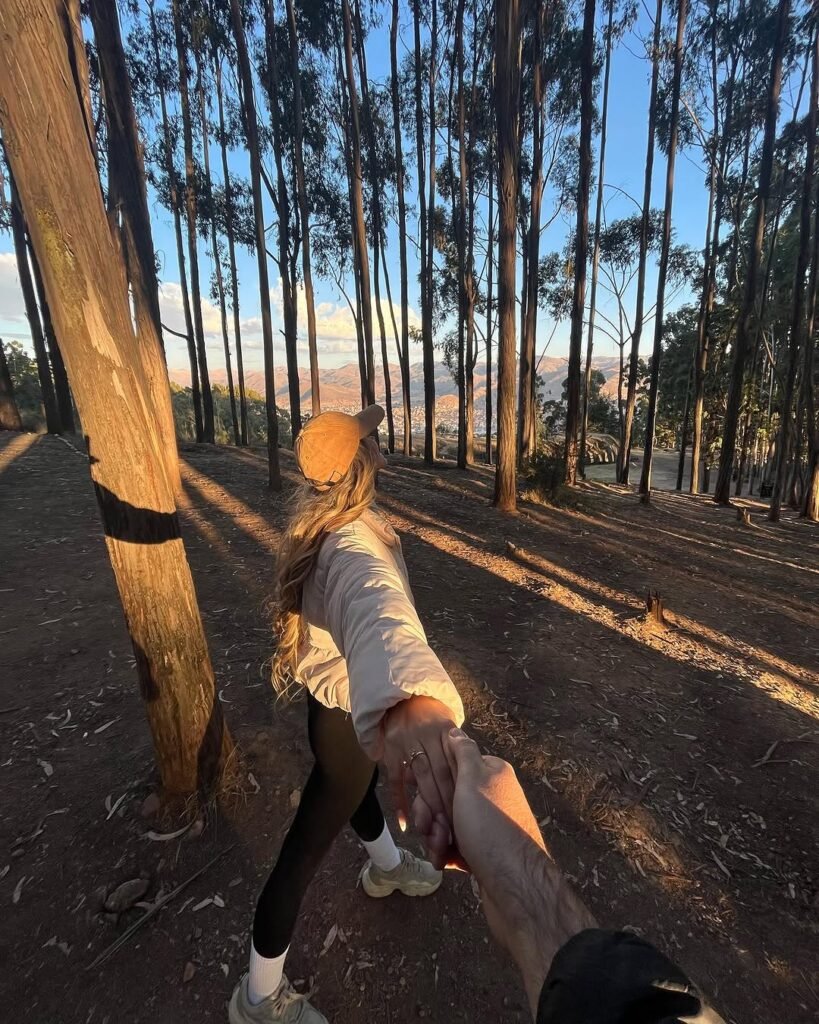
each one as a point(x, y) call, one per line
point(648, 753)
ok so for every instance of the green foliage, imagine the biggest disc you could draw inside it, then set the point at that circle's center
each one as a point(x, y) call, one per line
point(23, 370)
point(603, 417)
point(182, 402)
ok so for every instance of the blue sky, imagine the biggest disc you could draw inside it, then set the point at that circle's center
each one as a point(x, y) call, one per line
point(624, 171)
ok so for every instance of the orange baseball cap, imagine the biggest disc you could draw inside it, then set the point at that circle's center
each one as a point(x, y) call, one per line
point(326, 446)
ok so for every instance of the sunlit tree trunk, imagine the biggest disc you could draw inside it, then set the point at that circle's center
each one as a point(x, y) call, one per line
point(229, 232)
point(304, 212)
point(581, 252)
point(403, 352)
point(252, 133)
point(357, 185)
point(598, 223)
point(42, 123)
point(126, 176)
point(715, 206)
point(624, 451)
point(282, 203)
point(214, 244)
point(526, 377)
point(659, 314)
point(459, 224)
point(507, 85)
point(430, 425)
point(722, 494)
point(9, 413)
point(170, 171)
point(375, 214)
point(191, 217)
point(421, 191)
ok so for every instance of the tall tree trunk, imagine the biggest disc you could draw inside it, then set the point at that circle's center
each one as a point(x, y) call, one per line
point(471, 296)
point(214, 244)
point(526, 381)
point(191, 217)
point(490, 262)
point(42, 122)
point(375, 212)
point(283, 217)
point(18, 231)
point(430, 426)
point(715, 204)
point(810, 503)
point(234, 277)
point(659, 314)
point(359, 224)
point(581, 242)
point(429, 368)
point(684, 431)
point(722, 494)
point(507, 85)
point(304, 212)
point(798, 334)
point(9, 413)
point(403, 352)
point(252, 133)
point(459, 210)
point(126, 169)
point(598, 223)
point(173, 186)
point(624, 451)
point(383, 256)
point(62, 391)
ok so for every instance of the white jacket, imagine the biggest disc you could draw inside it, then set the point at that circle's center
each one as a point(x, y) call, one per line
point(365, 647)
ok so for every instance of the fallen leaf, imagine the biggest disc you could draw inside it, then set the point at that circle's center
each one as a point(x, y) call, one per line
point(107, 725)
point(218, 901)
point(188, 973)
point(49, 771)
point(164, 837)
point(112, 808)
point(295, 797)
point(206, 902)
point(251, 778)
point(329, 940)
point(225, 969)
point(18, 889)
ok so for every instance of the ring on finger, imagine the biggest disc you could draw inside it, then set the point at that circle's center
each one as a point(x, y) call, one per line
point(413, 755)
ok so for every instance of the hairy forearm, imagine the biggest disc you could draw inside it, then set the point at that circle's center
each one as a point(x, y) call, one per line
point(547, 913)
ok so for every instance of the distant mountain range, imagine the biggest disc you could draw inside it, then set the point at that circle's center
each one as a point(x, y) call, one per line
point(340, 388)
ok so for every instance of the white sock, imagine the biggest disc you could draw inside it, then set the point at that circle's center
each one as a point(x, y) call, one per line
point(265, 975)
point(383, 851)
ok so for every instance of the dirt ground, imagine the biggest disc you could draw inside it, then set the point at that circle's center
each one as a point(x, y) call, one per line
point(674, 770)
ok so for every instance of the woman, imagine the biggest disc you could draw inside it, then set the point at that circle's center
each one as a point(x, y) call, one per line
point(349, 633)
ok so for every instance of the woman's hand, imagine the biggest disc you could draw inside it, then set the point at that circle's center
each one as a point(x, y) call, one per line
point(415, 734)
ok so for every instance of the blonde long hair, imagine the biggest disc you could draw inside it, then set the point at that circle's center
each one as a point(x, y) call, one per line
point(315, 514)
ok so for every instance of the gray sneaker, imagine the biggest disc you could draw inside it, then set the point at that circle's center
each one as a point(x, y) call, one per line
point(412, 877)
point(285, 1006)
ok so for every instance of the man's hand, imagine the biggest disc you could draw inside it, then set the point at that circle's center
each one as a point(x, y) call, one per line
point(530, 908)
point(415, 732)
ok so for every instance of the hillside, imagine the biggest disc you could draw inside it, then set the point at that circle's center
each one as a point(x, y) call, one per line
point(340, 385)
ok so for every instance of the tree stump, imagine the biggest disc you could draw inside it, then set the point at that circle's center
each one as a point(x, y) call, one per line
point(655, 610)
point(744, 516)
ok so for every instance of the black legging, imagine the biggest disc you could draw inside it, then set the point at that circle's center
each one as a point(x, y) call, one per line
point(341, 787)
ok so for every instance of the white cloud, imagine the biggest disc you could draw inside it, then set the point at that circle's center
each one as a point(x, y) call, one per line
point(13, 323)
